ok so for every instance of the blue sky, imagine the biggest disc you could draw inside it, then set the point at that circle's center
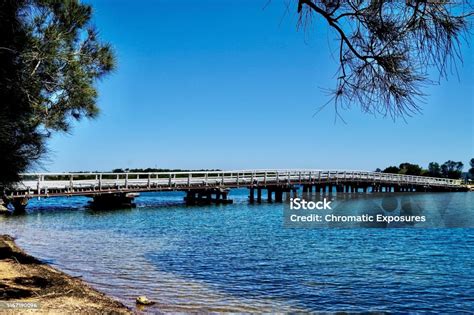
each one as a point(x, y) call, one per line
point(233, 85)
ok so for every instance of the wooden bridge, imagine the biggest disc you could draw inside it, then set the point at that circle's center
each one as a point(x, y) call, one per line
point(118, 189)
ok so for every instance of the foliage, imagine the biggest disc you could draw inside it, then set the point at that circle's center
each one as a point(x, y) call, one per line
point(385, 48)
point(392, 169)
point(471, 170)
point(20, 141)
point(410, 169)
point(434, 170)
point(50, 58)
point(451, 169)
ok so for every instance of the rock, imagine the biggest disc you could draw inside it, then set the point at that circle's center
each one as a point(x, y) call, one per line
point(143, 300)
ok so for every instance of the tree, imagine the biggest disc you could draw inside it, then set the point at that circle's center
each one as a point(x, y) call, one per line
point(385, 48)
point(451, 169)
point(392, 169)
point(410, 169)
point(434, 170)
point(50, 58)
point(20, 141)
point(471, 170)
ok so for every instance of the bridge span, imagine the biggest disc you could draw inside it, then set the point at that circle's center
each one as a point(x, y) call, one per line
point(119, 189)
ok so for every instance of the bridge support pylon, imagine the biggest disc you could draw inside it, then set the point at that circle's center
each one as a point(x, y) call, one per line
point(277, 192)
point(207, 196)
point(251, 195)
point(278, 195)
point(113, 201)
point(317, 189)
point(269, 194)
point(19, 204)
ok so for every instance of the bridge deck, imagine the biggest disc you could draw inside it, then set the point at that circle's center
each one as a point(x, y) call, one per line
point(67, 184)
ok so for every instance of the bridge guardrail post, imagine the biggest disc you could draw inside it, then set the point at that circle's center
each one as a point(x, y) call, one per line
point(38, 185)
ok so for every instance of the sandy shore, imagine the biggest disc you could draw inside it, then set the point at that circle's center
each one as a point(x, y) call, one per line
point(29, 286)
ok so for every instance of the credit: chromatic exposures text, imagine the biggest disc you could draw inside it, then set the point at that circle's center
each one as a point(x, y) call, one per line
point(301, 204)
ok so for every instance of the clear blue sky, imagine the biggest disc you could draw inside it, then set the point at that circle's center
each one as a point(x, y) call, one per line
point(231, 85)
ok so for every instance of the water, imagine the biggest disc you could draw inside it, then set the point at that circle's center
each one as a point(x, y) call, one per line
point(240, 258)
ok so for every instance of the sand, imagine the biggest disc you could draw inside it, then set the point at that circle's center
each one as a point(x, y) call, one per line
point(30, 286)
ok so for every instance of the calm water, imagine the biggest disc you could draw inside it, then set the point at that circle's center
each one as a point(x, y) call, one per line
point(240, 257)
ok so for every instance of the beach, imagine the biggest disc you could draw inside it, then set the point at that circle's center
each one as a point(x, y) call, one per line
point(29, 285)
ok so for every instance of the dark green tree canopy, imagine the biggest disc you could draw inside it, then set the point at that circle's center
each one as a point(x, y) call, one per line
point(50, 59)
point(410, 169)
point(20, 141)
point(434, 169)
point(63, 58)
point(385, 48)
point(452, 169)
point(471, 170)
point(448, 169)
point(392, 169)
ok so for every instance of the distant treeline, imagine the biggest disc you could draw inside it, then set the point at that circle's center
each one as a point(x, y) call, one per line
point(449, 169)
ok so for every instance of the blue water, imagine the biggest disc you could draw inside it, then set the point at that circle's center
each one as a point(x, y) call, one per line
point(241, 258)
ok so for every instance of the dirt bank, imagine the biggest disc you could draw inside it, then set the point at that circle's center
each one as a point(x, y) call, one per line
point(29, 286)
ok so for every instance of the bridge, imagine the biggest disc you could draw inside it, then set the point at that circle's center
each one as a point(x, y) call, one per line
point(201, 187)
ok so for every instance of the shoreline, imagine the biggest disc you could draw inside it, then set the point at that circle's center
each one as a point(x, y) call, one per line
point(27, 284)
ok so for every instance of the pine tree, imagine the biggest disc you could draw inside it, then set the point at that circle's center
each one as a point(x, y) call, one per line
point(50, 59)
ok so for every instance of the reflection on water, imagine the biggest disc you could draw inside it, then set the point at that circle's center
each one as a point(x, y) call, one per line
point(240, 257)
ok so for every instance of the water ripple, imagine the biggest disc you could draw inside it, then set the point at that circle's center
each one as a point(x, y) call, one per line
point(239, 258)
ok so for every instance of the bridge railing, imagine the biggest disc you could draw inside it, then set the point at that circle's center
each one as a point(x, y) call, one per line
point(233, 178)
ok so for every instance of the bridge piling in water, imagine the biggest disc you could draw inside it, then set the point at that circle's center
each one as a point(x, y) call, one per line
point(114, 201)
point(269, 195)
point(251, 195)
point(207, 196)
point(20, 204)
point(259, 194)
